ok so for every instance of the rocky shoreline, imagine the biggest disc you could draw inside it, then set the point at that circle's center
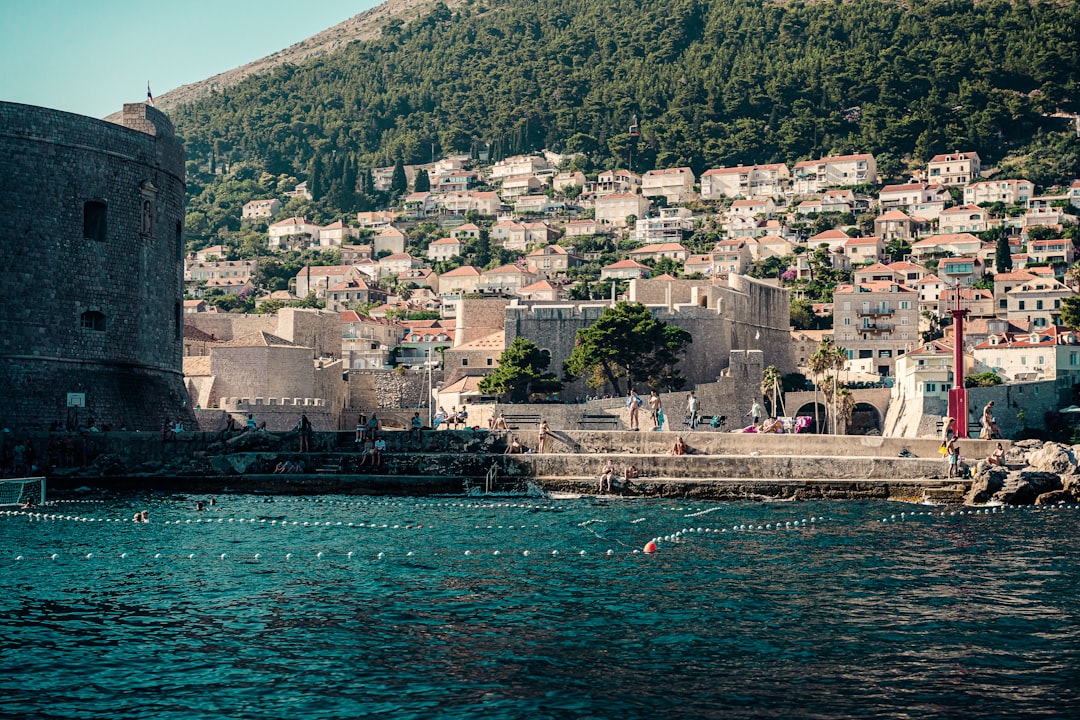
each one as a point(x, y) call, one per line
point(1035, 473)
point(721, 466)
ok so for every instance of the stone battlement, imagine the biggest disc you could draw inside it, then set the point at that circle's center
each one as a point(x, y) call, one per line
point(234, 403)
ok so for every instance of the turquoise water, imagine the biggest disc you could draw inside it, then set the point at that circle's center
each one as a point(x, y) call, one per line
point(439, 611)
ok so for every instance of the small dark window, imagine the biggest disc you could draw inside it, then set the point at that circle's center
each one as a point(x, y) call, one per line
point(178, 318)
point(93, 320)
point(179, 240)
point(95, 220)
point(464, 361)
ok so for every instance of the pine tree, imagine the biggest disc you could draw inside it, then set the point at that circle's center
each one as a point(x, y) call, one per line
point(1002, 254)
point(399, 183)
point(422, 182)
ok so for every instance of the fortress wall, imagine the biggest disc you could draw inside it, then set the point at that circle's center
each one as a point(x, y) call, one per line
point(104, 202)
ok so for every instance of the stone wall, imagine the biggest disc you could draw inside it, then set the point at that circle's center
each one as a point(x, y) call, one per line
point(478, 318)
point(108, 201)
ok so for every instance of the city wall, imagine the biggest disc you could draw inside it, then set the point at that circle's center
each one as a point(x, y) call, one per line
point(108, 200)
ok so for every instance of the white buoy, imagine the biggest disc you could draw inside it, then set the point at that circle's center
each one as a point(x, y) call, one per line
point(525, 553)
point(53, 556)
point(380, 556)
point(89, 556)
point(222, 556)
point(288, 556)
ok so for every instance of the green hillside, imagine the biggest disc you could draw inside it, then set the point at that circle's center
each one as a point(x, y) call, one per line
point(710, 83)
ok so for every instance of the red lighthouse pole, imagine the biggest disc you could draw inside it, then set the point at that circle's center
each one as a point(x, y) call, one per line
point(958, 405)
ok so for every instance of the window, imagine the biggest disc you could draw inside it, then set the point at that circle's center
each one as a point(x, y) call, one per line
point(95, 220)
point(464, 362)
point(1021, 305)
point(92, 320)
point(490, 362)
point(1072, 358)
point(864, 354)
point(847, 321)
point(905, 305)
point(884, 353)
point(931, 387)
point(1038, 304)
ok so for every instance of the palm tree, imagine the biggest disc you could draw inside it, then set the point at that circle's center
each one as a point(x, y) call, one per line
point(817, 368)
point(826, 363)
point(846, 407)
point(770, 383)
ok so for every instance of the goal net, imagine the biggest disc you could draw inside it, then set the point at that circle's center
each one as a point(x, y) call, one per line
point(18, 491)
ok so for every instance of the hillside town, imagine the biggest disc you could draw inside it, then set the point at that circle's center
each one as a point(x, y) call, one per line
point(400, 319)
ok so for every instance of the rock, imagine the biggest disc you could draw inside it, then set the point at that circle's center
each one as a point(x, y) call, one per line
point(1022, 487)
point(1028, 444)
point(1053, 458)
point(986, 483)
point(1054, 497)
point(249, 441)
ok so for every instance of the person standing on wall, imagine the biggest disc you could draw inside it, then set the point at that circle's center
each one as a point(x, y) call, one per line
point(692, 410)
point(755, 413)
point(654, 408)
point(633, 404)
point(303, 428)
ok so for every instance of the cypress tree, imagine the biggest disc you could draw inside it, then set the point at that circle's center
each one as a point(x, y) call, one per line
point(1002, 254)
point(398, 182)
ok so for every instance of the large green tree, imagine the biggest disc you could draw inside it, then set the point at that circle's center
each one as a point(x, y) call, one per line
point(1070, 312)
point(522, 371)
point(627, 342)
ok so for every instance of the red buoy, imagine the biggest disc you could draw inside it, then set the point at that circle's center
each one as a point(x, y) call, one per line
point(650, 547)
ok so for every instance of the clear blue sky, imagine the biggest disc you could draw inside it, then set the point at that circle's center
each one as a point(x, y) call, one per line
point(92, 56)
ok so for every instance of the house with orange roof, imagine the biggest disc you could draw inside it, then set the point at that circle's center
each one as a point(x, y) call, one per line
point(506, 280)
point(675, 184)
point(459, 281)
point(922, 200)
point(615, 208)
point(965, 270)
point(352, 254)
point(929, 288)
point(550, 261)
point(958, 168)
point(1044, 353)
point(389, 240)
point(625, 270)
point(876, 322)
point(566, 180)
point(260, 209)
point(320, 278)
point(1053, 252)
point(669, 226)
point(952, 243)
point(876, 271)
point(655, 251)
point(910, 272)
point(539, 233)
point(767, 246)
point(230, 286)
point(418, 205)
point(835, 239)
point(896, 225)
point(731, 256)
point(1004, 283)
point(194, 272)
point(618, 182)
point(963, 218)
point(699, 264)
point(194, 306)
point(1010, 192)
point(579, 228)
point(753, 181)
point(294, 233)
point(376, 220)
point(444, 249)
point(752, 208)
point(210, 254)
point(541, 290)
point(1036, 303)
point(520, 186)
point(366, 341)
point(979, 302)
point(336, 234)
point(510, 235)
point(865, 249)
point(468, 231)
point(470, 361)
point(815, 176)
point(350, 293)
point(519, 165)
point(399, 263)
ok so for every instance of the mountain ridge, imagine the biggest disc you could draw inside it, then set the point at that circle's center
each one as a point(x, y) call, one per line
point(362, 26)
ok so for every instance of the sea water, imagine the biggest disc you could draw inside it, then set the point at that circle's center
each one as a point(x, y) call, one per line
point(346, 607)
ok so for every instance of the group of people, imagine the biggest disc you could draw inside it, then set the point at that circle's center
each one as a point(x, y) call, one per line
point(608, 476)
point(451, 419)
point(634, 403)
point(950, 445)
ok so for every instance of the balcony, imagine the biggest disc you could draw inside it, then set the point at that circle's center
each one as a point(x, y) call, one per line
point(874, 312)
point(877, 328)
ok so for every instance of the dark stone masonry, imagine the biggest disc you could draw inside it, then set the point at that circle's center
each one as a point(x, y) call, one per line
point(91, 286)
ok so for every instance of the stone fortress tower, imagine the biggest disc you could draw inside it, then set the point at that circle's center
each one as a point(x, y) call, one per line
point(91, 269)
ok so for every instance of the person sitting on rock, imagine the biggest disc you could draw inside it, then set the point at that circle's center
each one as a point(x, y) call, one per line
point(679, 448)
point(606, 476)
point(997, 457)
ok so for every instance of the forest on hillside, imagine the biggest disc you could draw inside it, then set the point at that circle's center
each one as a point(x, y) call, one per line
point(708, 83)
